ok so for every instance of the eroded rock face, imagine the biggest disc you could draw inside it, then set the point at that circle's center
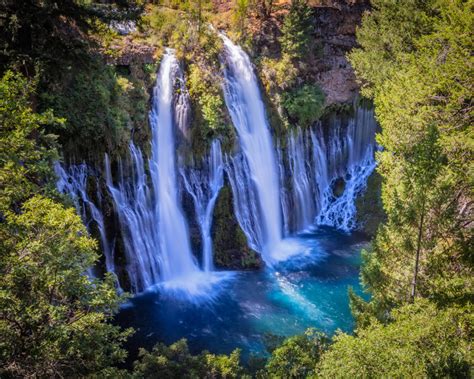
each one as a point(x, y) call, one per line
point(132, 52)
point(335, 30)
point(335, 24)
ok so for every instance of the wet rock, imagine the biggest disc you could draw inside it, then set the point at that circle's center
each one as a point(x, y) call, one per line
point(338, 187)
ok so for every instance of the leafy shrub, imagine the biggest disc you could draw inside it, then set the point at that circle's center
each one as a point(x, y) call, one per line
point(296, 29)
point(281, 72)
point(421, 342)
point(297, 357)
point(305, 104)
point(99, 106)
point(175, 361)
point(55, 319)
point(27, 151)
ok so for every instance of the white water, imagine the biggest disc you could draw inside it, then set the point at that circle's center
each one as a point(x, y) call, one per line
point(154, 230)
point(204, 185)
point(247, 111)
point(73, 182)
point(355, 157)
point(315, 160)
point(177, 257)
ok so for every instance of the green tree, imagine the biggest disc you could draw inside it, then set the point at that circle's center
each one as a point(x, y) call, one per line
point(27, 151)
point(175, 361)
point(388, 33)
point(421, 342)
point(296, 29)
point(297, 356)
point(426, 118)
point(54, 318)
point(304, 105)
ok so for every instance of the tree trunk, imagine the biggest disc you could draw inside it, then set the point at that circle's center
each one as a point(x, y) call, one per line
point(418, 250)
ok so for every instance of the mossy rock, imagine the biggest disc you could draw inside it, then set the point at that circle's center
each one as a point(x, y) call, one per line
point(229, 242)
point(370, 212)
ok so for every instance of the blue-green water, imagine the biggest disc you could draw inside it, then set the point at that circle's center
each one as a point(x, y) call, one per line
point(310, 290)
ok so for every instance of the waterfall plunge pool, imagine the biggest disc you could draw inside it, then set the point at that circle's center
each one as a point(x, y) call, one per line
point(307, 290)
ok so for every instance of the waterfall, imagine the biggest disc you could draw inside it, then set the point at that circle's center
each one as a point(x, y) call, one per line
point(301, 180)
point(244, 201)
point(155, 232)
point(177, 257)
point(135, 207)
point(204, 185)
point(352, 159)
point(73, 182)
point(319, 157)
point(260, 175)
point(276, 192)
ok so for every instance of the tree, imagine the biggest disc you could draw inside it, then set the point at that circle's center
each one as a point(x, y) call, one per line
point(240, 15)
point(296, 29)
point(305, 104)
point(26, 150)
point(422, 341)
point(175, 361)
point(425, 112)
point(54, 318)
point(297, 356)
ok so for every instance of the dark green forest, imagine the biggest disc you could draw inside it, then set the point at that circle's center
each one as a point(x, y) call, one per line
point(73, 87)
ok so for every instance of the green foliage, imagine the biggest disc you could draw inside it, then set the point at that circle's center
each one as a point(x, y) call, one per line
point(240, 16)
point(175, 361)
point(182, 26)
point(423, 108)
point(370, 213)
point(278, 72)
point(305, 104)
point(296, 29)
point(54, 317)
point(210, 113)
point(26, 150)
point(33, 30)
point(204, 90)
point(388, 34)
point(297, 356)
point(229, 242)
point(421, 342)
point(100, 105)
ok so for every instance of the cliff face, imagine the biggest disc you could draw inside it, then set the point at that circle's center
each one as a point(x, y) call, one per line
point(334, 27)
point(335, 31)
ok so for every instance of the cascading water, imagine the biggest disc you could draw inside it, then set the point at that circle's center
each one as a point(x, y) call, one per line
point(355, 155)
point(297, 182)
point(177, 258)
point(301, 180)
point(315, 160)
point(135, 207)
point(247, 111)
point(154, 229)
point(204, 185)
point(73, 182)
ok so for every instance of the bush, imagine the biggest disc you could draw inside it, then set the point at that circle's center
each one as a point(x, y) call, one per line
point(421, 342)
point(296, 30)
point(297, 357)
point(305, 105)
point(175, 361)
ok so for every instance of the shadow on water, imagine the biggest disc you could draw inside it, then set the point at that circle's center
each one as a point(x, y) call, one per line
point(308, 290)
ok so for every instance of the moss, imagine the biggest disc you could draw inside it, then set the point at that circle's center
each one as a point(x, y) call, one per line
point(104, 107)
point(229, 241)
point(370, 213)
point(340, 109)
